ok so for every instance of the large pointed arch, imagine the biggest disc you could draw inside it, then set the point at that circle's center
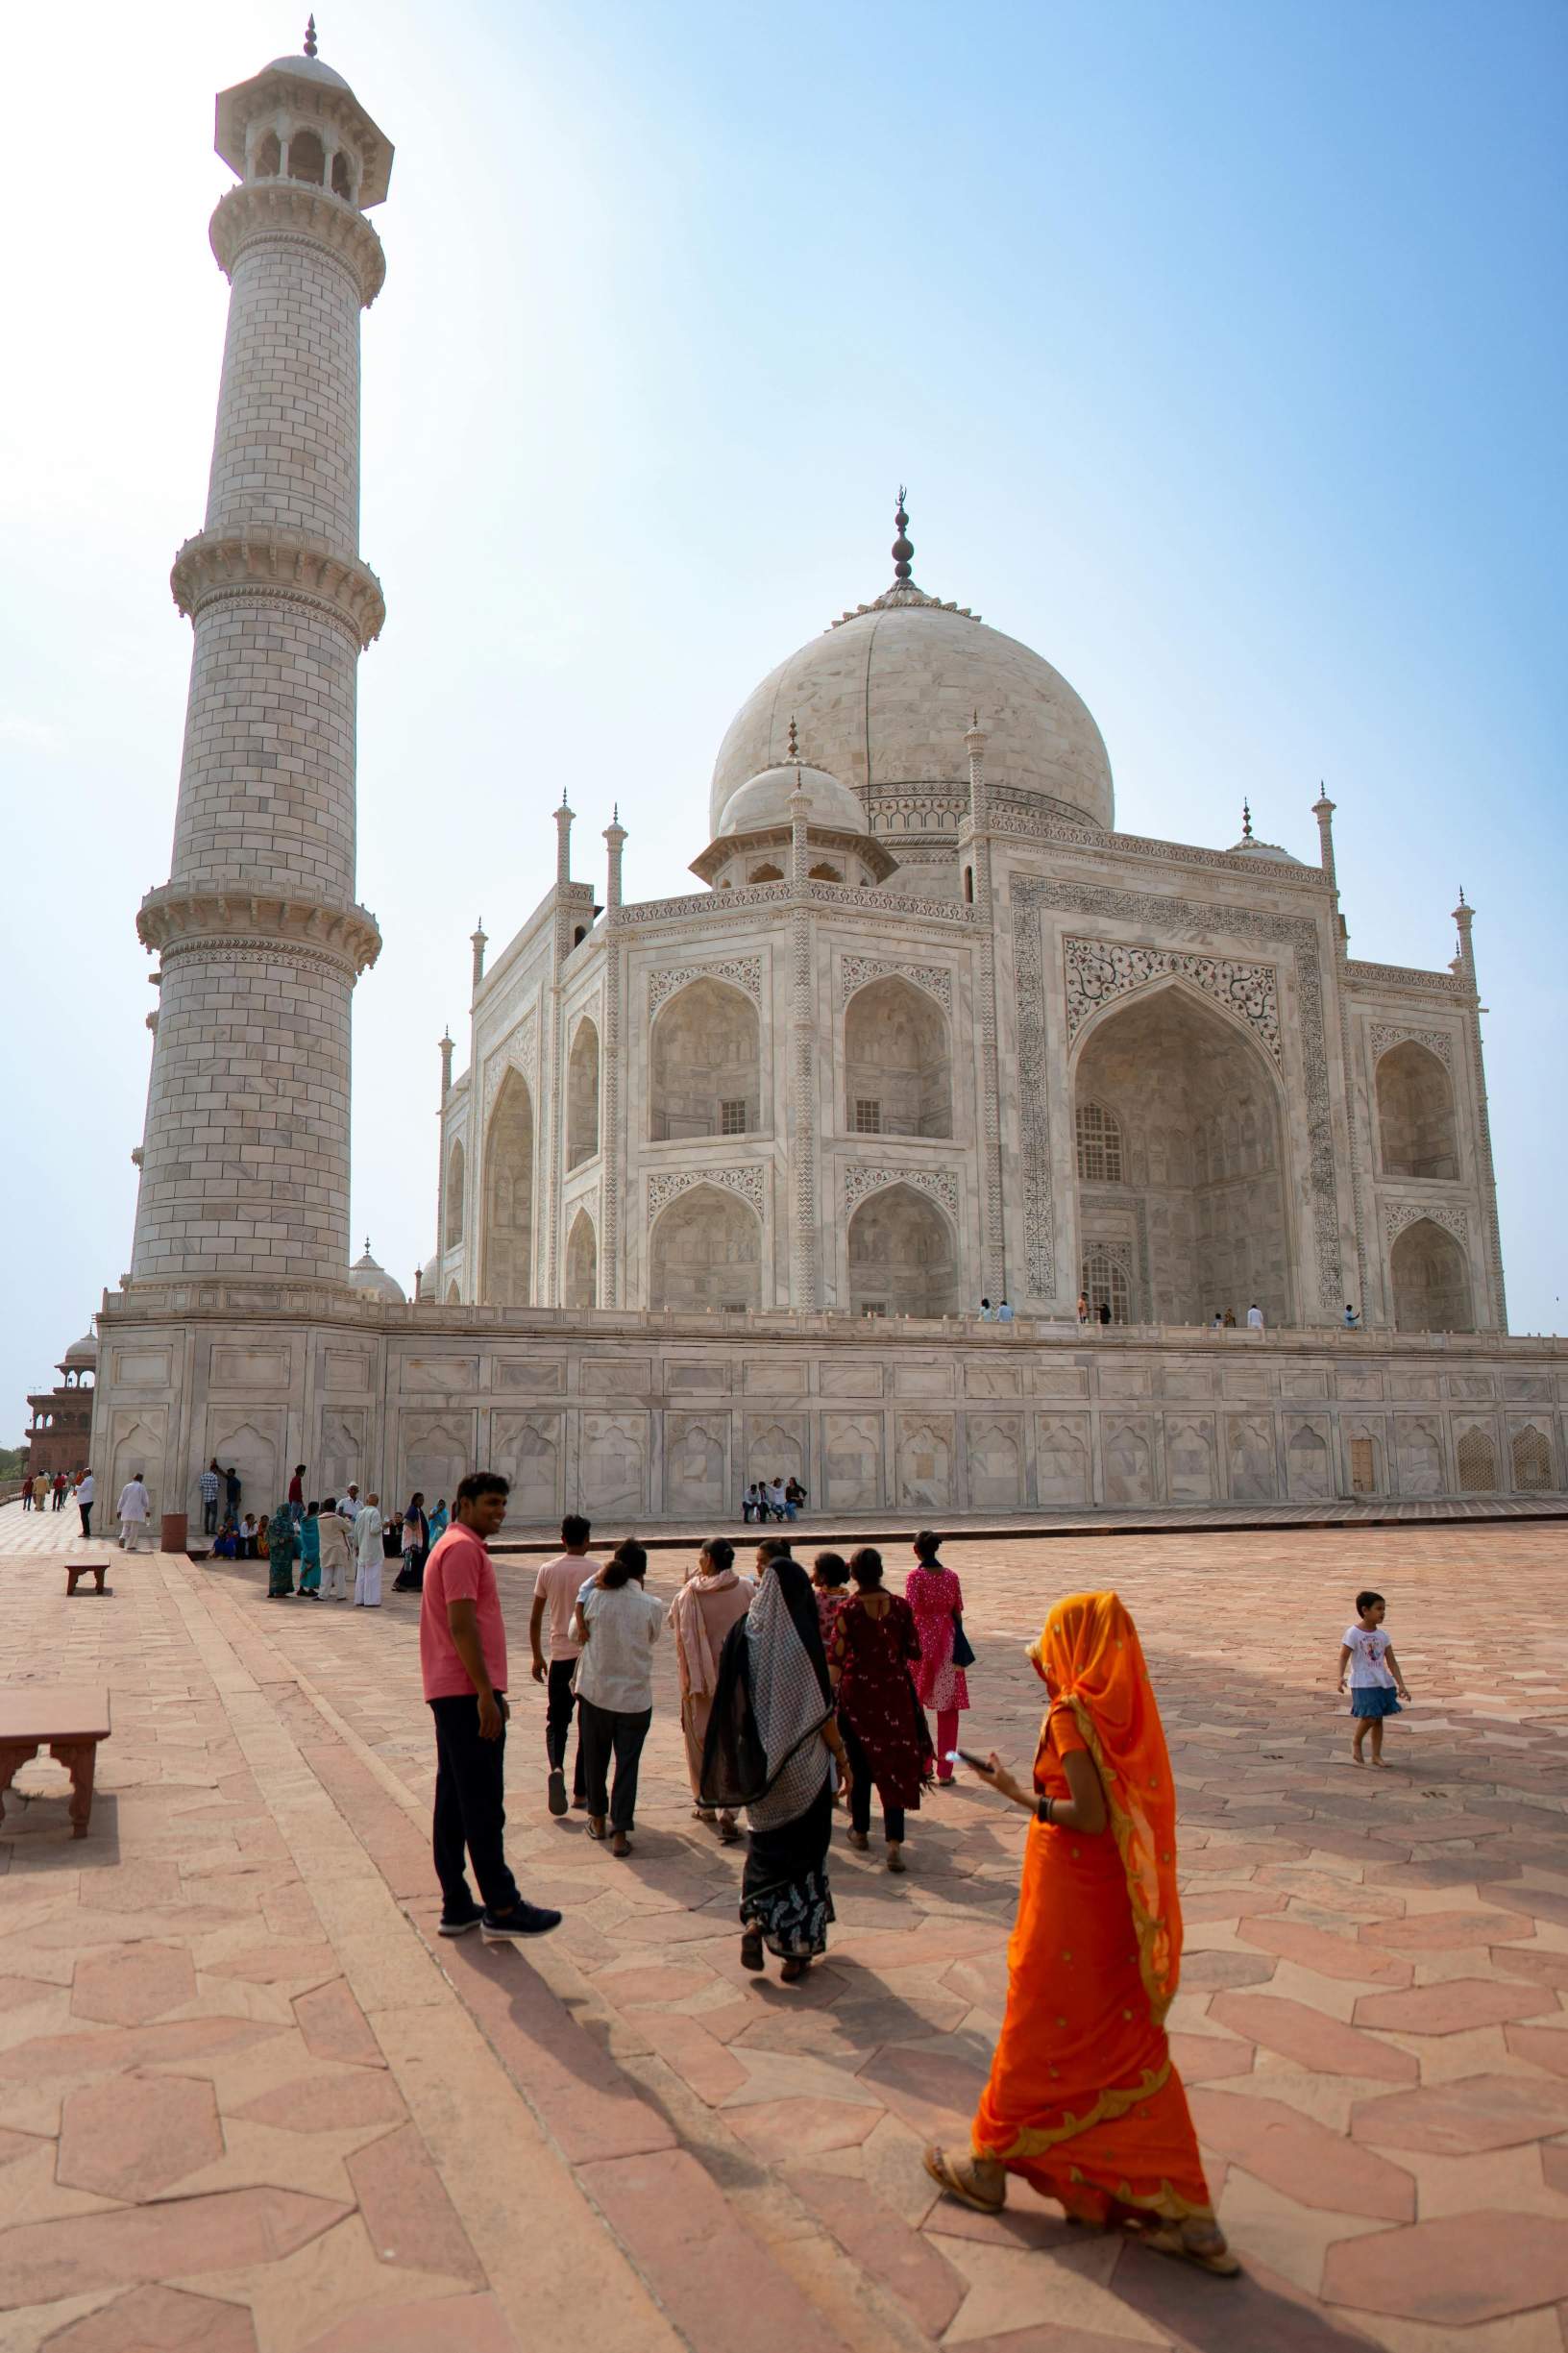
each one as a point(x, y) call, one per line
point(706, 1063)
point(902, 1254)
point(581, 1291)
point(705, 1250)
point(897, 1061)
point(583, 1093)
point(1417, 1132)
point(1430, 1278)
point(506, 1262)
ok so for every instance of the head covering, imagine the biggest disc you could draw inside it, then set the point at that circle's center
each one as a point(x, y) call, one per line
point(691, 1626)
point(773, 1698)
point(1090, 1654)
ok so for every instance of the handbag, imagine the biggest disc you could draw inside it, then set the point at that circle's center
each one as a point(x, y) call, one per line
point(962, 1648)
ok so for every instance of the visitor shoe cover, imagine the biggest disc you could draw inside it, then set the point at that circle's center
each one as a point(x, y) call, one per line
point(523, 1920)
point(459, 1923)
point(558, 1792)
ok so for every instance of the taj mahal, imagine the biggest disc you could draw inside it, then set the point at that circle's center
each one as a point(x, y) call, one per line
point(726, 1176)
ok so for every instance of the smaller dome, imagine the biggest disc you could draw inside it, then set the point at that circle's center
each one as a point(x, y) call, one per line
point(429, 1279)
point(375, 1281)
point(764, 799)
point(1246, 848)
point(310, 69)
point(84, 1350)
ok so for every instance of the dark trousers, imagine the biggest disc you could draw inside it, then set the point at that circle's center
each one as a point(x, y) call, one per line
point(860, 1796)
point(85, 1510)
point(470, 1807)
point(563, 1700)
point(209, 1517)
point(600, 1732)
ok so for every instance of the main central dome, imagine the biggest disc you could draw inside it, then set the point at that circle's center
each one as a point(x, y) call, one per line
point(883, 699)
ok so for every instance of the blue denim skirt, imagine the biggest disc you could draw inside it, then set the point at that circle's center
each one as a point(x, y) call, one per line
point(1373, 1700)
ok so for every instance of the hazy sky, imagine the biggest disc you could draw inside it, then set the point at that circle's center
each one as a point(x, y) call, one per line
point(1221, 345)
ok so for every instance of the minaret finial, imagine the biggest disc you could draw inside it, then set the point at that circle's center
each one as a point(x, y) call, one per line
point(1463, 900)
point(794, 752)
point(902, 549)
point(1246, 822)
point(309, 37)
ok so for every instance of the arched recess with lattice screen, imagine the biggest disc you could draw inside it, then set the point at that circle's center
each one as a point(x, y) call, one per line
point(1531, 1452)
point(1103, 1277)
point(1476, 1458)
point(1431, 1280)
point(1099, 1144)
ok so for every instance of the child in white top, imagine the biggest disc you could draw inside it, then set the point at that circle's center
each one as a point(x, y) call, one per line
point(1375, 1675)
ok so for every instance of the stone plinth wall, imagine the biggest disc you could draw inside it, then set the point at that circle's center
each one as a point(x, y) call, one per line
point(648, 1418)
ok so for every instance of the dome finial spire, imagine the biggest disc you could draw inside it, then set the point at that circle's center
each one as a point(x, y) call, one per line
point(794, 752)
point(902, 549)
point(1246, 822)
point(309, 37)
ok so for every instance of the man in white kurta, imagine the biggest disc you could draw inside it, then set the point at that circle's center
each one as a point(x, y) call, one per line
point(336, 1552)
point(135, 1507)
point(367, 1554)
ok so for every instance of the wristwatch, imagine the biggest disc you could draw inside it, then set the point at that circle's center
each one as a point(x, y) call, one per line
point(1045, 1807)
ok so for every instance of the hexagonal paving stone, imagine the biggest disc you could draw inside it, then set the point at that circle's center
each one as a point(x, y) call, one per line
point(133, 1983)
point(1462, 2119)
point(129, 2135)
point(1453, 2007)
point(1455, 2273)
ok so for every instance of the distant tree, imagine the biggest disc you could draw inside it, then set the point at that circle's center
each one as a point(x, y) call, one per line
point(11, 1460)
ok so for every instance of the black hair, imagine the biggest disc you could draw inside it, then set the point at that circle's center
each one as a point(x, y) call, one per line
point(480, 1483)
point(1367, 1601)
point(575, 1530)
point(331, 1504)
point(313, 1510)
point(298, 1470)
point(774, 1547)
point(927, 1547)
point(627, 1561)
point(830, 1569)
point(865, 1568)
point(720, 1551)
point(417, 1497)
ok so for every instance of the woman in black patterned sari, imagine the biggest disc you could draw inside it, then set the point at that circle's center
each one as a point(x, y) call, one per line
point(770, 1733)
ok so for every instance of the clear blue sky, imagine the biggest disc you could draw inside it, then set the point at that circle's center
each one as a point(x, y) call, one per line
point(1222, 347)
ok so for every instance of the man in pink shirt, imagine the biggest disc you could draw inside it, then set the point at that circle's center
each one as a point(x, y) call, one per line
point(462, 1658)
point(555, 1590)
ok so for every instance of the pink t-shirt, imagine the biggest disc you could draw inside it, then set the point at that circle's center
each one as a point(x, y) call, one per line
point(459, 1570)
point(557, 1585)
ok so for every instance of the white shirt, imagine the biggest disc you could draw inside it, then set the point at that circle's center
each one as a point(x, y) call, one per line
point(1004, 1314)
point(83, 1493)
point(1254, 1319)
point(1368, 1666)
point(135, 1501)
point(776, 1498)
point(616, 1669)
point(367, 1533)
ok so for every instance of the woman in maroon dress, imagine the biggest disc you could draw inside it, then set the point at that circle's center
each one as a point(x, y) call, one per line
point(874, 1647)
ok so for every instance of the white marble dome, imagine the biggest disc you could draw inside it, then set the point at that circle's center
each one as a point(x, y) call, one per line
point(765, 801)
point(886, 696)
point(84, 1350)
point(365, 1275)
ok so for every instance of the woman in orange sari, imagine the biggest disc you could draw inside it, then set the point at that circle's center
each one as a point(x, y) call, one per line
point(1083, 2099)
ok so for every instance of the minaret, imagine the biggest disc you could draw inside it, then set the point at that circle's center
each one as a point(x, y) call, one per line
point(245, 1164)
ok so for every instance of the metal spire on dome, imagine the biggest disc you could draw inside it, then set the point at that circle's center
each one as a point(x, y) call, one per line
point(1246, 822)
point(310, 50)
point(903, 550)
point(794, 751)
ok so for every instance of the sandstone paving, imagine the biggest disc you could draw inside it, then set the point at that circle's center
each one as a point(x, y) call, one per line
point(1375, 1961)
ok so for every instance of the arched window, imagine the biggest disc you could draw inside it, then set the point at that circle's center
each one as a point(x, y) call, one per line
point(1531, 1451)
point(581, 1264)
point(306, 158)
point(507, 1278)
point(1103, 1279)
point(902, 1259)
point(582, 1096)
point(765, 872)
point(897, 1061)
point(342, 184)
point(1099, 1144)
point(269, 158)
point(1416, 1114)
point(1477, 1459)
point(706, 1063)
point(456, 1180)
point(969, 886)
point(824, 874)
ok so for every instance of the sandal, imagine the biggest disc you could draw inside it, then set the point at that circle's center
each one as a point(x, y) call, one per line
point(727, 1831)
point(794, 1970)
point(945, 2174)
point(596, 1826)
point(860, 1841)
point(751, 1954)
point(895, 1859)
point(1171, 2241)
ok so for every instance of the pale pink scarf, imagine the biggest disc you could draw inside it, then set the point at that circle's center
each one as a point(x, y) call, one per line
point(691, 1630)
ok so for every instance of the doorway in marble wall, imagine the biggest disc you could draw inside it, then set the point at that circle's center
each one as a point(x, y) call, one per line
point(1431, 1280)
point(705, 1250)
point(903, 1259)
point(507, 1276)
point(1179, 1110)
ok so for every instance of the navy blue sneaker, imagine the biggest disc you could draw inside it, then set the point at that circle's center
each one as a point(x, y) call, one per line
point(459, 1923)
point(523, 1920)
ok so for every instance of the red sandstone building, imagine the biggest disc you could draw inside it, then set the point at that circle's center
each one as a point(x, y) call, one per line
point(62, 1418)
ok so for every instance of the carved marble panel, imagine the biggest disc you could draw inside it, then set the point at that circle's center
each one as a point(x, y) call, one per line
point(254, 1370)
point(1419, 1388)
point(612, 1463)
point(616, 1377)
point(851, 1462)
point(987, 1379)
point(449, 1376)
point(778, 1376)
point(1451, 1215)
point(1249, 1457)
point(253, 1438)
point(141, 1368)
point(1306, 1381)
point(696, 1377)
point(1119, 1380)
point(345, 1371)
point(1128, 1445)
point(744, 973)
point(138, 1442)
point(1101, 970)
point(934, 978)
point(540, 1376)
point(1190, 1457)
point(776, 1446)
point(848, 1379)
point(912, 1378)
point(1465, 1384)
point(1527, 1388)
point(1062, 1459)
point(1418, 1448)
point(696, 1483)
point(1383, 1035)
point(1359, 1384)
point(435, 1450)
point(1308, 1459)
point(994, 1445)
point(1053, 1376)
point(1187, 1379)
point(923, 1460)
point(1245, 1380)
point(342, 1453)
point(528, 1449)
point(667, 1185)
point(940, 1183)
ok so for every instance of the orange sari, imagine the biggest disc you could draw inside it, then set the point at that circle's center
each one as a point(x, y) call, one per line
point(1083, 2099)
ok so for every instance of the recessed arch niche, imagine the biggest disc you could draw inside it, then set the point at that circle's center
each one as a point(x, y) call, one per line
point(581, 1264)
point(457, 1184)
point(1417, 1134)
point(903, 1258)
point(1431, 1277)
point(507, 1256)
point(706, 1063)
point(1197, 1113)
point(705, 1250)
point(898, 1055)
point(582, 1094)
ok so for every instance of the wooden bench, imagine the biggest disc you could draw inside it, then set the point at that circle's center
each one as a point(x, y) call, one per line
point(67, 1719)
point(86, 1568)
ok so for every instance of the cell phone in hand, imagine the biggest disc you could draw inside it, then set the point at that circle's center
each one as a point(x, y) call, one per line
point(964, 1756)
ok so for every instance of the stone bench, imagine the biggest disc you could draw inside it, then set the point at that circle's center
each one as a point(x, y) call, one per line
point(67, 1719)
point(75, 1569)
